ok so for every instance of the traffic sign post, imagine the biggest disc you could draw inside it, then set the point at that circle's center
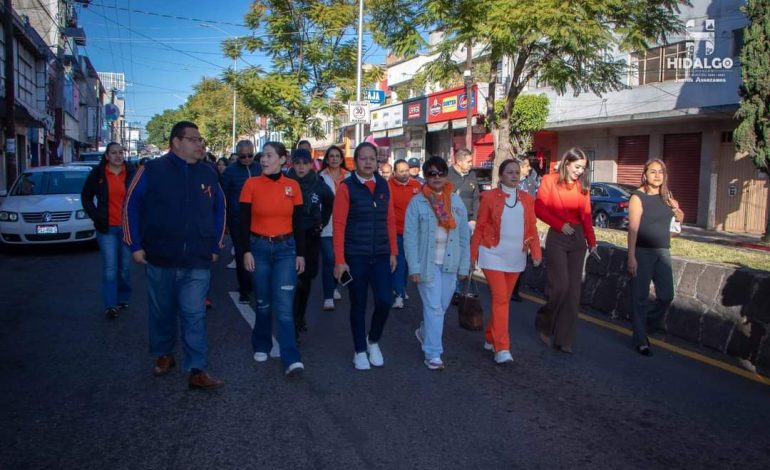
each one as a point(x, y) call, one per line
point(358, 111)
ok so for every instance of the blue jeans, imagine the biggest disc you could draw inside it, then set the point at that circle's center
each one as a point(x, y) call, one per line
point(436, 296)
point(369, 271)
point(178, 293)
point(116, 266)
point(401, 272)
point(274, 280)
point(327, 269)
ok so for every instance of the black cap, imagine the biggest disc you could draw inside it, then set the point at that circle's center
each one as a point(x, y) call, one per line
point(414, 162)
point(301, 155)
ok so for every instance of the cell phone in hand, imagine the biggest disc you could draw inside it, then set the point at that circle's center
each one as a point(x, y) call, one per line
point(346, 278)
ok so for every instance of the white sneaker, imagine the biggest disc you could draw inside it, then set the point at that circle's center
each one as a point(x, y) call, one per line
point(488, 347)
point(260, 356)
point(328, 305)
point(275, 351)
point(418, 333)
point(231, 265)
point(232, 251)
point(398, 303)
point(434, 364)
point(295, 370)
point(502, 357)
point(375, 355)
point(337, 295)
point(360, 361)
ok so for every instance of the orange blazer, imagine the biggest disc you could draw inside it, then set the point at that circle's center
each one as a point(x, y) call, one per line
point(487, 231)
point(556, 205)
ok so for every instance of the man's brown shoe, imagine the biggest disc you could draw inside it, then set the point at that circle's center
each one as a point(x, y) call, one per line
point(203, 381)
point(163, 365)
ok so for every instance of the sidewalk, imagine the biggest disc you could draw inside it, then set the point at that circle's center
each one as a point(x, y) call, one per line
point(740, 240)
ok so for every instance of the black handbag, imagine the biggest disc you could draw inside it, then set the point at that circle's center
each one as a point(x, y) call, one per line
point(469, 310)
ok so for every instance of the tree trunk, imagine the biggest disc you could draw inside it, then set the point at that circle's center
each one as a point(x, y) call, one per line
point(503, 146)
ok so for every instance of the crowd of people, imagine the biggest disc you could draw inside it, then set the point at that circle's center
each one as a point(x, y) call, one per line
point(374, 227)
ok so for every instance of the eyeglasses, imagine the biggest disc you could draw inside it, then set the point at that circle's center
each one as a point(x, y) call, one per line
point(244, 156)
point(197, 140)
point(435, 173)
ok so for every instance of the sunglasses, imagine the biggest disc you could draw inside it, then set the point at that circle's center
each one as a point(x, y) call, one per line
point(245, 156)
point(435, 173)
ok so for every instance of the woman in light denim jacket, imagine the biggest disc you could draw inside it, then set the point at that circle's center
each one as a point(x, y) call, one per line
point(437, 249)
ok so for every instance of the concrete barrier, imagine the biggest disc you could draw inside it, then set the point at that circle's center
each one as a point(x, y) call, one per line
point(716, 306)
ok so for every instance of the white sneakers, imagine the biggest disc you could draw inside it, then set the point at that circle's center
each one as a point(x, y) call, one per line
point(328, 304)
point(360, 361)
point(295, 370)
point(260, 356)
point(488, 347)
point(337, 295)
point(398, 303)
point(434, 364)
point(275, 351)
point(503, 357)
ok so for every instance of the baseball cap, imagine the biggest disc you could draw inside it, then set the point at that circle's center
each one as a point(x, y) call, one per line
point(301, 155)
point(414, 162)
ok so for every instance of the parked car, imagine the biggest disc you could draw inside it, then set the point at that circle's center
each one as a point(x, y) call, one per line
point(609, 204)
point(91, 157)
point(43, 206)
point(484, 177)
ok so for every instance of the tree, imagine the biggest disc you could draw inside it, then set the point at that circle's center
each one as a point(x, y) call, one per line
point(565, 44)
point(753, 133)
point(313, 62)
point(159, 126)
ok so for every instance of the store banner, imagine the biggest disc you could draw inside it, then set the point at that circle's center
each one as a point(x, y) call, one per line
point(414, 111)
point(393, 116)
point(450, 104)
point(377, 122)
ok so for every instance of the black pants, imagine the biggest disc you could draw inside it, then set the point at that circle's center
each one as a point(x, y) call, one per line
point(305, 280)
point(244, 277)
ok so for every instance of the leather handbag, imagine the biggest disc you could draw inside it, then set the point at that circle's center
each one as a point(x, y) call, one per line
point(469, 310)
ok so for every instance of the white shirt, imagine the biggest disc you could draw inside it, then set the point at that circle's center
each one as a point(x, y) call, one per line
point(441, 239)
point(508, 256)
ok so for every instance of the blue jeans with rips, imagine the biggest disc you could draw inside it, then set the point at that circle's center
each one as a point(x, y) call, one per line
point(178, 293)
point(116, 266)
point(275, 281)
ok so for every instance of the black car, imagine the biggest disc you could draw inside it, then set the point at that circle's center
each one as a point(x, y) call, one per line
point(609, 204)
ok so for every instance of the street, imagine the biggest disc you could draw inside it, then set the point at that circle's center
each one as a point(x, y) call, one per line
point(77, 392)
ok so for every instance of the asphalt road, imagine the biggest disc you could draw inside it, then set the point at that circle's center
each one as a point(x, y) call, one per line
point(77, 392)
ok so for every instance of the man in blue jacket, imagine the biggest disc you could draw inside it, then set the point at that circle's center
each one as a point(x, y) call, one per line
point(173, 221)
point(233, 178)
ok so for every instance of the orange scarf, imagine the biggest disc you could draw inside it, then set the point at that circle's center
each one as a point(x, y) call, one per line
point(442, 205)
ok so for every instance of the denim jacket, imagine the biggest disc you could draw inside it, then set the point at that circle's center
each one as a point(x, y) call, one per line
point(420, 239)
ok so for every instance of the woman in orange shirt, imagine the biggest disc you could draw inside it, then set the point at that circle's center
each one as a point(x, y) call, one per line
point(564, 204)
point(506, 230)
point(271, 231)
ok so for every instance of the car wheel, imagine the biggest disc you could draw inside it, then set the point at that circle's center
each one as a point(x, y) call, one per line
point(601, 220)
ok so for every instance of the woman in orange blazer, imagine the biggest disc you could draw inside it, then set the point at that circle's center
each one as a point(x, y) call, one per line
point(505, 232)
point(563, 203)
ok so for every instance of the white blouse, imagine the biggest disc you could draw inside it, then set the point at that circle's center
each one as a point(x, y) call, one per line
point(508, 256)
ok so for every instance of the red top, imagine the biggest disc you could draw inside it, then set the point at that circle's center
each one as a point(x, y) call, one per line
point(116, 188)
point(272, 204)
point(401, 194)
point(340, 221)
point(558, 204)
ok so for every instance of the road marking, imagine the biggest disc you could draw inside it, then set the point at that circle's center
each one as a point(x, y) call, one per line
point(756, 377)
point(245, 309)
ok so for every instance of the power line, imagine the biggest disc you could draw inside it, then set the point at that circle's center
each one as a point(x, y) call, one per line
point(173, 17)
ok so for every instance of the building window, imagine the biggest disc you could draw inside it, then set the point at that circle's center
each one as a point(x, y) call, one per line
point(26, 77)
point(659, 64)
point(727, 137)
point(737, 42)
point(328, 127)
point(591, 156)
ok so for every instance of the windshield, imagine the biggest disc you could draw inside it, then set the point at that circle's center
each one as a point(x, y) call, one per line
point(624, 189)
point(91, 157)
point(49, 182)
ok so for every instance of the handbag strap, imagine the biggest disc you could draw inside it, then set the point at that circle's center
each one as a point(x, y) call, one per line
point(471, 286)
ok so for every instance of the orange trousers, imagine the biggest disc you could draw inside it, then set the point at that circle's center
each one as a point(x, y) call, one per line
point(500, 287)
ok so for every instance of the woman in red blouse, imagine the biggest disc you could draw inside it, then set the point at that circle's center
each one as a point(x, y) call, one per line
point(563, 203)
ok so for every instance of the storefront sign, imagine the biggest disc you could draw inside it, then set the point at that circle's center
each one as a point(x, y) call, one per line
point(414, 112)
point(450, 104)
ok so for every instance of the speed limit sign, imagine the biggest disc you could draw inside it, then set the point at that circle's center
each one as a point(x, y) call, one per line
point(358, 112)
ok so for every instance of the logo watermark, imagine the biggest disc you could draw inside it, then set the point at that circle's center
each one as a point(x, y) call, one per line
point(704, 69)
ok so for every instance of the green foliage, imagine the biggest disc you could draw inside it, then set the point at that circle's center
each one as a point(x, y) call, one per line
point(530, 112)
point(159, 126)
point(753, 133)
point(313, 58)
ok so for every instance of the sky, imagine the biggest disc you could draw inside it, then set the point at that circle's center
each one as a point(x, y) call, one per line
point(164, 47)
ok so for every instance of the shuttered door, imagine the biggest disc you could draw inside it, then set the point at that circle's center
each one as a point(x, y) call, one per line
point(632, 155)
point(681, 153)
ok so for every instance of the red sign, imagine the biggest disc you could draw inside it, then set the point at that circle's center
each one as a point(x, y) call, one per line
point(450, 104)
point(414, 110)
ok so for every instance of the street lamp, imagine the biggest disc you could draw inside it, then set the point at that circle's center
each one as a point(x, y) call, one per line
point(235, 69)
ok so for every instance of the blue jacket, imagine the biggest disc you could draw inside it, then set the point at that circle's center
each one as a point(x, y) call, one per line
point(366, 232)
point(175, 212)
point(233, 179)
point(420, 239)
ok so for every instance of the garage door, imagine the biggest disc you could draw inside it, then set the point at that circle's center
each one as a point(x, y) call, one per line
point(681, 152)
point(632, 155)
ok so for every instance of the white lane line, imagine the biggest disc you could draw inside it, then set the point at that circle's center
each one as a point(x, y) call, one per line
point(248, 314)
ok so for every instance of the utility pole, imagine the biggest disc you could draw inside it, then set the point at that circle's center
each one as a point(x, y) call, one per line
point(235, 69)
point(468, 76)
point(10, 98)
point(359, 126)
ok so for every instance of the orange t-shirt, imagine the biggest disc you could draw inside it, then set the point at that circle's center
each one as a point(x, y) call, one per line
point(272, 204)
point(402, 194)
point(116, 195)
